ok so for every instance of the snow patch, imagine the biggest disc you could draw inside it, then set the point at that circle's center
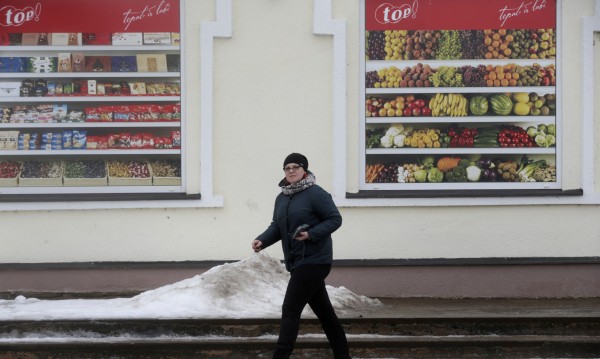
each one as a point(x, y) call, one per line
point(250, 288)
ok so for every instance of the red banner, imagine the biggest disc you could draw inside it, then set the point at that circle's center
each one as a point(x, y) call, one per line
point(99, 16)
point(459, 14)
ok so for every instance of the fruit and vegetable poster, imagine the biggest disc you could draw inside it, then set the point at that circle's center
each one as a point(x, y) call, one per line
point(460, 94)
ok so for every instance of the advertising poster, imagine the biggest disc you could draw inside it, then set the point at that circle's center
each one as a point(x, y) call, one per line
point(460, 95)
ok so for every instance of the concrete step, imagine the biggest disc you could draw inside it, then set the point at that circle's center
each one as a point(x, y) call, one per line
point(255, 338)
point(402, 329)
point(308, 347)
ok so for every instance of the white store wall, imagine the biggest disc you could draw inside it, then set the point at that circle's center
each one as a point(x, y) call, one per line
point(273, 95)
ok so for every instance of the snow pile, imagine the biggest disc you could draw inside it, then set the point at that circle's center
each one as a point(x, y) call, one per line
point(251, 288)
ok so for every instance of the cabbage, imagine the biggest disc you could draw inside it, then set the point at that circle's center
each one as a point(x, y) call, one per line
point(435, 175)
point(532, 131)
point(551, 130)
point(541, 141)
point(420, 176)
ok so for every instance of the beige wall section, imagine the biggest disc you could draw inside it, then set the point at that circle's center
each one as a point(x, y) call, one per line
point(273, 95)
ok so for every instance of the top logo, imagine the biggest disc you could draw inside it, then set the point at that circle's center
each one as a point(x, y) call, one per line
point(389, 14)
point(12, 16)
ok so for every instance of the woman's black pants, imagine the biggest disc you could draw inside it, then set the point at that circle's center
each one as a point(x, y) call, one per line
point(307, 286)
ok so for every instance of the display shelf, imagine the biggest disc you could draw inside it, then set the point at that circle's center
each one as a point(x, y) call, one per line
point(88, 189)
point(91, 48)
point(372, 65)
point(43, 126)
point(448, 151)
point(88, 75)
point(98, 98)
point(462, 90)
point(465, 120)
point(123, 152)
point(460, 186)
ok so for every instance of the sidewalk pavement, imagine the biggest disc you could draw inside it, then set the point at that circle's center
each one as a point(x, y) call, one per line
point(482, 308)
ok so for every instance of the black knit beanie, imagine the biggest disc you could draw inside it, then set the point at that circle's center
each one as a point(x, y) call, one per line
point(296, 158)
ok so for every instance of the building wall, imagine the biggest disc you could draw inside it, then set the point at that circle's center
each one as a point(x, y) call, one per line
point(272, 96)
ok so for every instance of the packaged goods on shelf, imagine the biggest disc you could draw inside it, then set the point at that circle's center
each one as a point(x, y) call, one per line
point(97, 64)
point(173, 62)
point(9, 173)
point(175, 38)
point(85, 173)
point(8, 140)
point(95, 38)
point(10, 89)
point(166, 172)
point(41, 173)
point(151, 62)
point(32, 39)
point(157, 38)
point(129, 173)
point(14, 64)
point(66, 39)
point(123, 64)
point(43, 64)
point(127, 38)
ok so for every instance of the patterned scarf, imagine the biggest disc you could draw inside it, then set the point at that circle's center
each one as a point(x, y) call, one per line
point(290, 189)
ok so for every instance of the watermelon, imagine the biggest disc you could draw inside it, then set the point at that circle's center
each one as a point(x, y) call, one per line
point(501, 104)
point(478, 105)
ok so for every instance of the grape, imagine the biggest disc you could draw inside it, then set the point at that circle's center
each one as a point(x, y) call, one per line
point(472, 44)
point(474, 76)
point(449, 46)
point(371, 78)
point(375, 45)
point(447, 76)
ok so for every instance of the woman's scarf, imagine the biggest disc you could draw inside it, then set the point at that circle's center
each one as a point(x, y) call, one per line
point(290, 189)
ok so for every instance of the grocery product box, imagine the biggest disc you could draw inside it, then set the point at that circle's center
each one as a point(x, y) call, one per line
point(123, 64)
point(175, 38)
point(127, 38)
point(43, 64)
point(77, 62)
point(173, 62)
point(14, 64)
point(64, 62)
point(66, 39)
point(10, 89)
point(157, 38)
point(151, 62)
point(97, 64)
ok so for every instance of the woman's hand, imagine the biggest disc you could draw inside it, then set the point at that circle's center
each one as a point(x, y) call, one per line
point(256, 245)
point(303, 236)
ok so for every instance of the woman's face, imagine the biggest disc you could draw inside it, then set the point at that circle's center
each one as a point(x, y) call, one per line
point(294, 173)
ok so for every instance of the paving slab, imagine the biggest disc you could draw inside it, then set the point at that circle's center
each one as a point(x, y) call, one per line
point(482, 308)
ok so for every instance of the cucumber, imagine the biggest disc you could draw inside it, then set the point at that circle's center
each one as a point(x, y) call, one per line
point(485, 145)
point(485, 141)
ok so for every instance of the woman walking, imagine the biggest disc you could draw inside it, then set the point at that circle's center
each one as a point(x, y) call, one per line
point(304, 218)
